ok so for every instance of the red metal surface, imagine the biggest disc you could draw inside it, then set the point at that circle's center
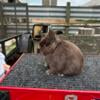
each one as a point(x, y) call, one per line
point(6, 74)
point(49, 94)
point(18, 93)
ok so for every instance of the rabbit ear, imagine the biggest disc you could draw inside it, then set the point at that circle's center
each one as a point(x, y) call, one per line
point(51, 34)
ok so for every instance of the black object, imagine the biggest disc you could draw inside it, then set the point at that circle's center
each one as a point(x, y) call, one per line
point(59, 32)
point(7, 37)
point(30, 45)
point(11, 1)
point(37, 37)
point(4, 95)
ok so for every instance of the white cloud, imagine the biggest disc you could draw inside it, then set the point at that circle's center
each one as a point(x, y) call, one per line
point(73, 2)
point(59, 3)
point(63, 2)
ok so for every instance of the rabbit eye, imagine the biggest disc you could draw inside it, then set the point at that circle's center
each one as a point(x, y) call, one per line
point(47, 44)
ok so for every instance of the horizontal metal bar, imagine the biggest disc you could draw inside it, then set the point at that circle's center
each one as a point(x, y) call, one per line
point(85, 7)
point(37, 6)
point(46, 9)
point(85, 12)
point(85, 17)
point(13, 4)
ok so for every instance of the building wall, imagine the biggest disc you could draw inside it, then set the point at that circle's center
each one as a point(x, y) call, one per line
point(53, 2)
point(49, 2)
point(92, 3)
point(45, 2)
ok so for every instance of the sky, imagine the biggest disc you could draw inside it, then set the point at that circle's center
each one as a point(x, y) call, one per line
point(73, 2)
point(59, 3)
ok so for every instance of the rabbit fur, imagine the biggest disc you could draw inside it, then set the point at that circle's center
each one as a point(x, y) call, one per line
point(62, 56)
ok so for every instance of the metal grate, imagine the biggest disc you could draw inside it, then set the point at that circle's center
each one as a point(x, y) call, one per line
point(30, 72)
point(88, 44)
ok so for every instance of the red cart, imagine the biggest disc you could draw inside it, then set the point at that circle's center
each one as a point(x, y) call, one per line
point(19, 93)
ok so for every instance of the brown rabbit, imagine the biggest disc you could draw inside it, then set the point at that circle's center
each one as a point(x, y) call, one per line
point(62, 56)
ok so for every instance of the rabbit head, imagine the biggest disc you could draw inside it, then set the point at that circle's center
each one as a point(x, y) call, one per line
point(48, 43)
point(48, 39)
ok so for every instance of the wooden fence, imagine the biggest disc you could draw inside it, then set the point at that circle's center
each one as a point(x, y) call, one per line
point(19, 17)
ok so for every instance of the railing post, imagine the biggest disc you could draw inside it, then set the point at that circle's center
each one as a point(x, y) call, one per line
point(27, 12)
point(15, 15)
point(67, 17)
point(1, 18)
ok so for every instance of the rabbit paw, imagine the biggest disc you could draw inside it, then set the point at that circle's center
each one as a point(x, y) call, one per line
point(45, 64)
point(48, 72)
point(61, 75)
